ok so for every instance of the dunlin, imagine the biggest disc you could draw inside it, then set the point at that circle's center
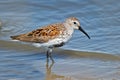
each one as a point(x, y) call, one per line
point(53, 35)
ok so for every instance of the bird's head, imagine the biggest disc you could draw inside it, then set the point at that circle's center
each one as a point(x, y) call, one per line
point(75, 24)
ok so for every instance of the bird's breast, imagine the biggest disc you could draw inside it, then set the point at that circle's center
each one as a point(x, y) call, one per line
point(66, 35)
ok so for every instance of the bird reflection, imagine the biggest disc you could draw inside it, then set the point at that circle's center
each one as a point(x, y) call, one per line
point(52, 76)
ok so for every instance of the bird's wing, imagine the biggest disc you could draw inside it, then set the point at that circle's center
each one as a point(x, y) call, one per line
point(41, 35)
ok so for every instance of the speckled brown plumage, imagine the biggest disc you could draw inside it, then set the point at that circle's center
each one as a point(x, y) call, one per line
point(42, 35)
point(73, 18)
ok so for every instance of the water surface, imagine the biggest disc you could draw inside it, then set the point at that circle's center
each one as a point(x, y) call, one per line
point(80, 59)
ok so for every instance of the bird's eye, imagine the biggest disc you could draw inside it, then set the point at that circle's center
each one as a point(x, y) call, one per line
point(74, 22)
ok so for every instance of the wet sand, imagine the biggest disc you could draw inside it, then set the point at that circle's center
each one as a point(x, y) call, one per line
point(21, 62)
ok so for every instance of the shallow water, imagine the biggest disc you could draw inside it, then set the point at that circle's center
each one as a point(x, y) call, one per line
point(99, 60)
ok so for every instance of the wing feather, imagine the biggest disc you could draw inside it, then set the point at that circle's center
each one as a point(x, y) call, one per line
point(41, 35)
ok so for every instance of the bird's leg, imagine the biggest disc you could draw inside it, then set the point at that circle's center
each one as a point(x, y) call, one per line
point(49, 55)
point(52, 59)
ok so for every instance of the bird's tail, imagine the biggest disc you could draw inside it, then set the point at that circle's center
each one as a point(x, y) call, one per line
point(15, 37)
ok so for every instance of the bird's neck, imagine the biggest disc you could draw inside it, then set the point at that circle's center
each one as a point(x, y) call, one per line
point(67, 33)
point(69, 30)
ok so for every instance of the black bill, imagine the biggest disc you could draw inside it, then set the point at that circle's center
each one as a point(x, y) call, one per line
point(84, 32)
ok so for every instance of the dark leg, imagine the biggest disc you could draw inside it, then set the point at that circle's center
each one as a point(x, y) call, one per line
point(49, 55)
point(51, 58)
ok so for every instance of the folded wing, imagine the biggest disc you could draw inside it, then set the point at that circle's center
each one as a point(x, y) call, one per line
point(41, 35)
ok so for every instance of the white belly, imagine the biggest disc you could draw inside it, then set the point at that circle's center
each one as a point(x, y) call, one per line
point(52, 42)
